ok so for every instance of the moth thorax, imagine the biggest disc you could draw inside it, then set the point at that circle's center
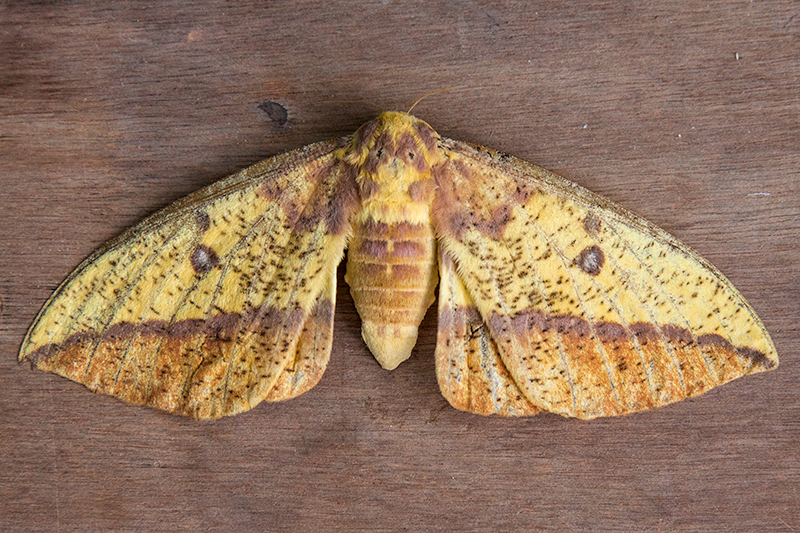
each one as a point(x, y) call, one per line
point(391, 271)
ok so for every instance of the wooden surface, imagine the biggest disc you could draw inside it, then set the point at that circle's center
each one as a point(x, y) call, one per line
point(689, 116)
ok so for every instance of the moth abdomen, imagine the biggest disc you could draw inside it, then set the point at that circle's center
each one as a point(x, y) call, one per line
point(391, 271)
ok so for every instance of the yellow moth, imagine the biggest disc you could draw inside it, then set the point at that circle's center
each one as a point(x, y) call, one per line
point(550, 298)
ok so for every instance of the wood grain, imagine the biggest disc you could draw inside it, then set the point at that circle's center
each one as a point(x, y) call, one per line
point(687, 115)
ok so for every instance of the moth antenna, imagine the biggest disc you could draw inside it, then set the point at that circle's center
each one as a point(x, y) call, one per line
point(434, 92)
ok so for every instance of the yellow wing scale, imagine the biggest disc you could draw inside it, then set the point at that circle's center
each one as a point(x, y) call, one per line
point(550, 298)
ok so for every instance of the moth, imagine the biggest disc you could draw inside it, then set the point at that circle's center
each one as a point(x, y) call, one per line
point(551, 298)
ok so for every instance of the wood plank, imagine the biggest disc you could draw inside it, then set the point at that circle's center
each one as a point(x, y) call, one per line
point(685, 114)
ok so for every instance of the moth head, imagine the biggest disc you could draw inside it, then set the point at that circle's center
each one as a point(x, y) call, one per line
point(394, 147)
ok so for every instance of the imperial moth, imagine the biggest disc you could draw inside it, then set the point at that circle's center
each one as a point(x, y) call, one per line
point(551, 298)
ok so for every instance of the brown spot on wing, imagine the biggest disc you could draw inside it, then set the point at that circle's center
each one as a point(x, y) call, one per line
point(591, 260)
point(316, 159)
point(203, 259)
point(592, 224)
point(758, 358)
point(447, 212)
point(202, 220)
point(305, 213)
point(714, 341)
point(524, 192)
point(344, 201)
